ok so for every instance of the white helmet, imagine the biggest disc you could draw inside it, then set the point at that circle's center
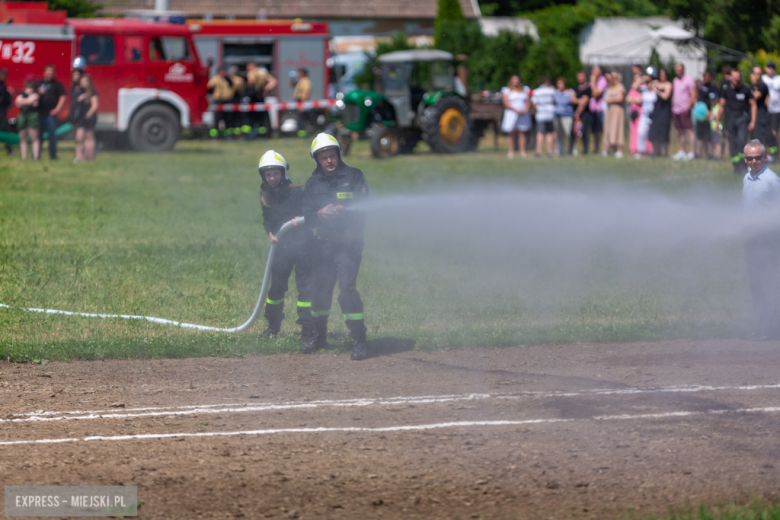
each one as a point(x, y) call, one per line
point(80, 63)
point(322, 142)
point(272, 159)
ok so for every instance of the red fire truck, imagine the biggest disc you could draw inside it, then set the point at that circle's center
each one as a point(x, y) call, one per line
point(148, 75)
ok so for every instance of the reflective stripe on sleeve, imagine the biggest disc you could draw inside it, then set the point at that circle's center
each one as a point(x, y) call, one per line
point(269, 301)
point(304, 304)
point(358, 316)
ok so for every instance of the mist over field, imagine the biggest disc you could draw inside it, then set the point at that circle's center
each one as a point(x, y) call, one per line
point(614, 258)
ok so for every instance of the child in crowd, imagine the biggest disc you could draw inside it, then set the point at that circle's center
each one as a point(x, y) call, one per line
point(281, 202)
point(27, 120)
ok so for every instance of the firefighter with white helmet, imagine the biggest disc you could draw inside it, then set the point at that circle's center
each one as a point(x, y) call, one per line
point(281, 202)
point(329, 205)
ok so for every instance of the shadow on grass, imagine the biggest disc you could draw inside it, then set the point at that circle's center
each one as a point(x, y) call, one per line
point(388, 346)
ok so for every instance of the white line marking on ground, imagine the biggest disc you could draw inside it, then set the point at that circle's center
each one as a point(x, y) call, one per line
point(416, 427)
point(45, 416)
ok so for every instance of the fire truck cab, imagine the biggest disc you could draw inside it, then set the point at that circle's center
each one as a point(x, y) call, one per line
point(148, 75)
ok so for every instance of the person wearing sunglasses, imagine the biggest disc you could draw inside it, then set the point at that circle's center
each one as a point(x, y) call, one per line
point(761, 200)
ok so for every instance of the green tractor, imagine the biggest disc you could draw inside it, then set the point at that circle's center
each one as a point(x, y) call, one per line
point(421, 99)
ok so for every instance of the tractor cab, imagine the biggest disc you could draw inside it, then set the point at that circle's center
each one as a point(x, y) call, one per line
point(410, 77)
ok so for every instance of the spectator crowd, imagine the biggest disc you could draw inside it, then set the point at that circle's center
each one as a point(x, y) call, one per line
point(40, 103)
point(600, 110)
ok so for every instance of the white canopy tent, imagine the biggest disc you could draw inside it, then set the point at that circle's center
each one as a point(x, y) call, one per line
point(621, 42)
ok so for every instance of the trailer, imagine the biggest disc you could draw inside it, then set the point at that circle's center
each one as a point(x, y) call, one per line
point(280, 46)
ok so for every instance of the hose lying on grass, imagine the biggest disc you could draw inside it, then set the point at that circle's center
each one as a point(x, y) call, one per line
point(256, 314)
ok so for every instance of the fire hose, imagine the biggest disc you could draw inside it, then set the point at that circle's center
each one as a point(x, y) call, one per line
point(241, 328)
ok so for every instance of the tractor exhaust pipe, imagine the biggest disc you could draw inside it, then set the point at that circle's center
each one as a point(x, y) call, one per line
point(241, 328)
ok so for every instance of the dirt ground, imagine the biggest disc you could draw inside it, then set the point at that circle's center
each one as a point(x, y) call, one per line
point(569, 431)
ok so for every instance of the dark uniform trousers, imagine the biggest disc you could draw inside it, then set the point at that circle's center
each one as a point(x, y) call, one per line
point(762, 256)
point(763, 129)
point(290, 256)
point(737, 128)
point(338, 262)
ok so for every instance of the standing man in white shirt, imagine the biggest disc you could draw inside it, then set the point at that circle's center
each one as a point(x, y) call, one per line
point(761, 200)
point(772, 81)
point(543, 98)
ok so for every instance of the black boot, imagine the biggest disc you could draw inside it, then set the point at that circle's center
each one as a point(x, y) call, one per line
point(359, 348)
point(319, 338)
point(274, 313)
point(272, 330)
point(307, 332)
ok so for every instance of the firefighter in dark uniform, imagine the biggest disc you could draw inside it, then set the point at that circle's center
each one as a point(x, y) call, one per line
point(329, 197)
point(281, 202)
point(740, 106)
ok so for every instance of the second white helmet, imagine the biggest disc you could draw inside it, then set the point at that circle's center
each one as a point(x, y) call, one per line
point(80, 63)
point(322, 142)
point(272, 159)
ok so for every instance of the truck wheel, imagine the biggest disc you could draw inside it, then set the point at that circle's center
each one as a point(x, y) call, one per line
point(384, 142)
point(446, 126)
point(154, 128)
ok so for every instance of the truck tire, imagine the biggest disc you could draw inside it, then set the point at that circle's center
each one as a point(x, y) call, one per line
point(154, 128)
point(446, 127)
point(384, 142)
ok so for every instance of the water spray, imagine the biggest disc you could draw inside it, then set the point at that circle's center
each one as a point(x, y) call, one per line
point(241, 328)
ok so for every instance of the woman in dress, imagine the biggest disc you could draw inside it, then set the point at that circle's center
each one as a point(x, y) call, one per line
point(662, 114)
point(517, 116)
point(85, 118)
point(614, 121)
point(634, 100)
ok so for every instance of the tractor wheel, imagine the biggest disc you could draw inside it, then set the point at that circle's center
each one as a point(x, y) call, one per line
point(446, 126)
point(384, 142)
point(343, 135)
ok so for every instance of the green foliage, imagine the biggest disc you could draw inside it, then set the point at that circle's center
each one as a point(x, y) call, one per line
point(557, 51)
point(655, 60)
point(461, 37)
point(760, 58)
point(75, 8)
point(743, 25)
point(497, 58)
point(449, 16)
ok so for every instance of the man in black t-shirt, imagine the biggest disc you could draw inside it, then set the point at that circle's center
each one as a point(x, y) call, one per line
point(737, 99)
point(763, 129)
point(708, 94)
point(52, 101)
point(580, 99)
point(5, 104)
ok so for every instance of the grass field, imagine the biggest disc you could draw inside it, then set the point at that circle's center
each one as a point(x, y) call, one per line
point(179, 236)
point(758, 510)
